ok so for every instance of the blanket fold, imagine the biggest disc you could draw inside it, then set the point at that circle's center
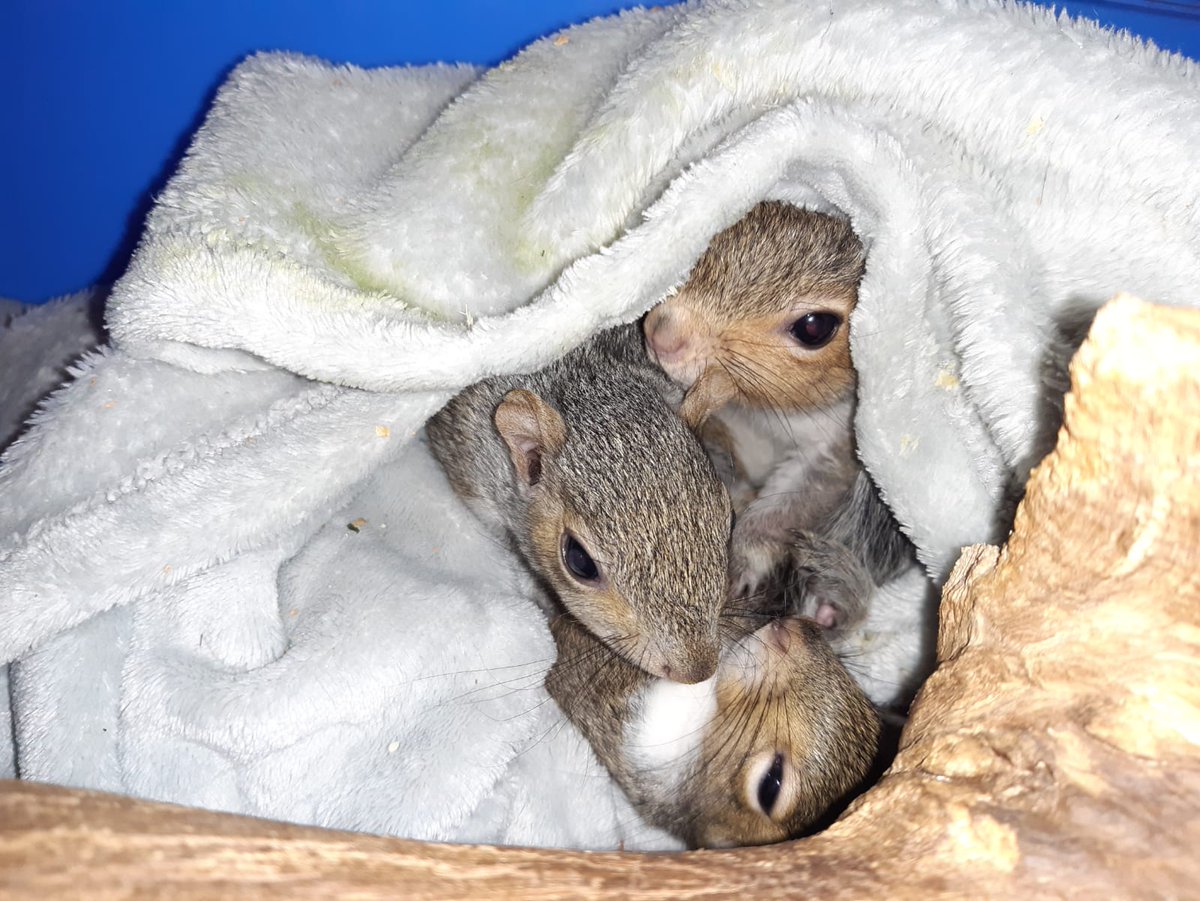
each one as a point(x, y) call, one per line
point(341, 250)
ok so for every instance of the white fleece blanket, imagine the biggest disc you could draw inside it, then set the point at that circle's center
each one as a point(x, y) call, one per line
point(343, 249)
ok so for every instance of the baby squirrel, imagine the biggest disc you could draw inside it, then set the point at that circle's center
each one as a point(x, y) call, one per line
point(586, 468)
point(759, 337)
point(758, 753)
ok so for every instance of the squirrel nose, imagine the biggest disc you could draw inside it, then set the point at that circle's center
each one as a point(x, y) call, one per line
point(664, 334)
point(689, 669)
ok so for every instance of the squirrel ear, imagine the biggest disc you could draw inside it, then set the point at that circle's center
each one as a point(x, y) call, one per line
point(531, 428)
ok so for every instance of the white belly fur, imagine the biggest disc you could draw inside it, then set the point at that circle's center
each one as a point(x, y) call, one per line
point(763, 438)
point(668, 727)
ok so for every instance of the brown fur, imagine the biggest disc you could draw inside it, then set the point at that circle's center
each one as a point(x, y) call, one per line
point(725, 336)
point(618, 469)
point(779, 690)
point(756, 278)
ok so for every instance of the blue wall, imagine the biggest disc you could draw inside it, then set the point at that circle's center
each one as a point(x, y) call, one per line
point(101, 96)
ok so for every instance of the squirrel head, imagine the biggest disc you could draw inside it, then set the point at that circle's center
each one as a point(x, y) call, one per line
point(626, 521)
point(763, 318)
point(760, 752)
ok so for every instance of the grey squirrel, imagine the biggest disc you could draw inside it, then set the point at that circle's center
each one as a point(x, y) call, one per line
point(758, 336)
point(587, 460)
point(588, 471)
point(758, 753)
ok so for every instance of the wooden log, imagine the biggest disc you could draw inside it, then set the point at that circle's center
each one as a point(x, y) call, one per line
point(1055, 752)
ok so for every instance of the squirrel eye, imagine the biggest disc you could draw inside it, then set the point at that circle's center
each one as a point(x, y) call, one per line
point(815, 329)
point(578, 561)
point(770, 785)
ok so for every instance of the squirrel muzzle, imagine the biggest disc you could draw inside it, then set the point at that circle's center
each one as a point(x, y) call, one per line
point(687, 663)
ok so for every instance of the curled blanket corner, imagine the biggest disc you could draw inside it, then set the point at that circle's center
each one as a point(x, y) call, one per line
point(342, 249)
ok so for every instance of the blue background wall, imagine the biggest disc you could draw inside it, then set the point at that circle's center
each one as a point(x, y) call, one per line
point(101, 96)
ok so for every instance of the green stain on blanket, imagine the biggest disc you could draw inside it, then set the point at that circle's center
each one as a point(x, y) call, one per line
point(323, 236)
point(533, 258)
point(512, 180)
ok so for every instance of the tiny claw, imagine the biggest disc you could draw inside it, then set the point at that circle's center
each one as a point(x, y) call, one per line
point(711, 391)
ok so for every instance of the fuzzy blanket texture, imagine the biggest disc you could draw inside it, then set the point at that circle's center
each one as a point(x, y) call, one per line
point(187, 615)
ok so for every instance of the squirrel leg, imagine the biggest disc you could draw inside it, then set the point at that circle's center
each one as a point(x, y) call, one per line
point(757, 560)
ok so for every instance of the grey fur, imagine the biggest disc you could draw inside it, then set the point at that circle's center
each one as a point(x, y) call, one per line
point(631, 470)
point(823, 572)
point(778, 250)
point(838, 562)
point(866, 527)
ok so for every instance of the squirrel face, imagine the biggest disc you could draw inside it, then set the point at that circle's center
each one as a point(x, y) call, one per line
point(758, 753)
point(627, 523)
point(763, 318)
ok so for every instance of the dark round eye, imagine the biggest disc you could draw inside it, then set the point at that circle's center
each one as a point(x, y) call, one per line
point(578, 560)
point(772, 782)
point(815, 329)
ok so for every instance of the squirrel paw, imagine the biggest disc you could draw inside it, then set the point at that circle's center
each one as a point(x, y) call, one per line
point(831, 607)
point(829, 585)
point(753, 566)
